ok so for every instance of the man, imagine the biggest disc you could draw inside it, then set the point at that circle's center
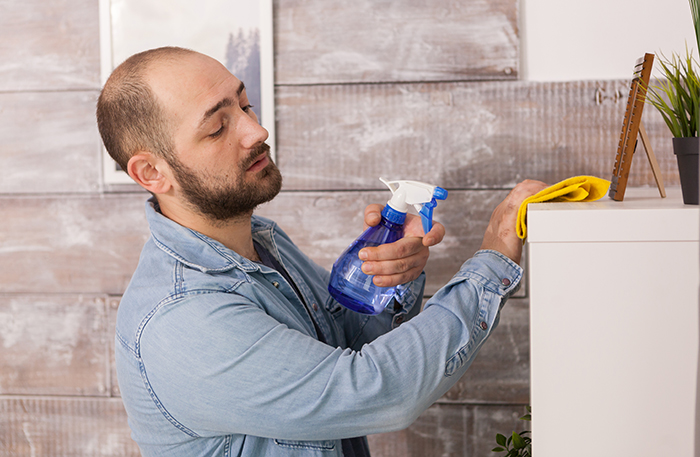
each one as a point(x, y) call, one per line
point(228, 342)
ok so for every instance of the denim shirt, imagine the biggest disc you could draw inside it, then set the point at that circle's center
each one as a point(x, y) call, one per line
point(216, 355)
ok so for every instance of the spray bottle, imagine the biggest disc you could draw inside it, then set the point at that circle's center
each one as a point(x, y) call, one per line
point(349, 285)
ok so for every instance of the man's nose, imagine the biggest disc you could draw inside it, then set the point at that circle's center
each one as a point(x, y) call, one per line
point(251, 132)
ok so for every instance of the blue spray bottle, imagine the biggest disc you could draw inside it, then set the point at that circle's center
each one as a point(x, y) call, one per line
point(349, 285)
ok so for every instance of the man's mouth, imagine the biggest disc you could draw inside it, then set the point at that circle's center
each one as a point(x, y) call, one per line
point(260, 163)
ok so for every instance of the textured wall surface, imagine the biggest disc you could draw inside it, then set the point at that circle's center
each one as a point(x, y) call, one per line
point(403, 89)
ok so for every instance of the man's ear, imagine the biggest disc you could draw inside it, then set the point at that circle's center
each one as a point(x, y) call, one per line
point(147, 170)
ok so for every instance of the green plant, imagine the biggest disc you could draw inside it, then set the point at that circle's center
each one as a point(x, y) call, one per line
point(677, 96)
point(521, 443)
point(695, 12)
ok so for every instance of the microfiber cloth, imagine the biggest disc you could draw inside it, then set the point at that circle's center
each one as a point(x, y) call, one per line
point(576, 189)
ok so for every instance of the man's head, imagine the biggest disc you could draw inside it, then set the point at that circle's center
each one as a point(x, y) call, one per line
point(180, 124)
point(129, 116)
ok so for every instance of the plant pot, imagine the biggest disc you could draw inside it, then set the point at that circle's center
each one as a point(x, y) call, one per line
point(686, 150)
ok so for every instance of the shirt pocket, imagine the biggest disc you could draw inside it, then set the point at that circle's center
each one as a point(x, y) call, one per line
point(310, 447)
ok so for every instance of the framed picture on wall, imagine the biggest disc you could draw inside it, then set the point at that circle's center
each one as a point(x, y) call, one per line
point(238, 33)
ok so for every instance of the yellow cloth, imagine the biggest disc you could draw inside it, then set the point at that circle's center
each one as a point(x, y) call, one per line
point(576, 189)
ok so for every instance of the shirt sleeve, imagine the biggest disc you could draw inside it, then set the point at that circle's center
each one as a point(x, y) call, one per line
point(227, 366)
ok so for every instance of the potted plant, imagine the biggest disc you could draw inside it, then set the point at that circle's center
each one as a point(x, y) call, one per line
point(518, 444)
point(677, 98)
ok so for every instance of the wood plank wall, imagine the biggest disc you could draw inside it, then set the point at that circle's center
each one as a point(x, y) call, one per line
point(398, 88)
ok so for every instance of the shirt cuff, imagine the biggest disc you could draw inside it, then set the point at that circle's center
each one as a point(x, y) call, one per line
point(495, 270)
point(407, 301)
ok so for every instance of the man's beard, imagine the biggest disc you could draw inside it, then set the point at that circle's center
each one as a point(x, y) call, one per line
point(220, 199)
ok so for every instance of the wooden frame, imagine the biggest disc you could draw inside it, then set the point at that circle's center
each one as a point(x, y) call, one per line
point(632, 128)
point(221, 30)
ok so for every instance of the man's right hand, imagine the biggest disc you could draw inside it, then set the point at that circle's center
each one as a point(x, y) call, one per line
point(501, 232)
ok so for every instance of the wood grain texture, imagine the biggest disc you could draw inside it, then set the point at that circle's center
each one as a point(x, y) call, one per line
point(49, 45)
point(112, 307)
point(76, 245)
point(451, 430)
point(54, 344)
point(375, 41)
point(457, 135)
point(64, 427)
point(49, 142)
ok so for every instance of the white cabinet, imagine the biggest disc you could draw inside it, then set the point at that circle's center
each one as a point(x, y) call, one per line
point(614, 326)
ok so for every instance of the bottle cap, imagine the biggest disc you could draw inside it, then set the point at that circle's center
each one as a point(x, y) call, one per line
point(422, 196)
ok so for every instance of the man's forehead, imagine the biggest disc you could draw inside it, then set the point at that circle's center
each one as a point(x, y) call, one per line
point(181, 71)
point(192, 79)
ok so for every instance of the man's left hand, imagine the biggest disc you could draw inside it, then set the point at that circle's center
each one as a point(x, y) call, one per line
point(402, 261)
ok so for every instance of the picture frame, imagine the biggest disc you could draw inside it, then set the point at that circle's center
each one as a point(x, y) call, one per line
point(632, 130)
point(238, 33)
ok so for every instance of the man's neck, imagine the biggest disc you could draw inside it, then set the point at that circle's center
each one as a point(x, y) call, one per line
point(234, 233)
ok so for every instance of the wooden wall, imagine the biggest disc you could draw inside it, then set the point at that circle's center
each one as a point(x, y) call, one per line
point(397, 88)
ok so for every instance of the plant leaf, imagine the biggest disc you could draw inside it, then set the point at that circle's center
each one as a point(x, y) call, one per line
point(518, 442)
point(695, 10)
point(677, 95)
point(500, 439)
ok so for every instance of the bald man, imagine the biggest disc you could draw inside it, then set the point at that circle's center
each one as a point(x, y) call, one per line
point(228, 342)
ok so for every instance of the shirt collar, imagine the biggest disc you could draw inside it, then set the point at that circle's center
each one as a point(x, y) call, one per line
point(195, 249)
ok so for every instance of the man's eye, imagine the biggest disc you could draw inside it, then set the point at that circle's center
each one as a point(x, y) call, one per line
point(247, 108)
point(218, 132)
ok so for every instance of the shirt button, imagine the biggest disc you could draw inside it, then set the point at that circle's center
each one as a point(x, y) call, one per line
point(484, 326)
point(275, 283)
point(505, 282)
point(314, 306)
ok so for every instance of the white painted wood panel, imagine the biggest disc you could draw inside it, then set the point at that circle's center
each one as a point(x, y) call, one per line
point(64, 427)
point(49, 45)
point(54, 345)
point(387, 41)
point(458, 135)
point(49, 142)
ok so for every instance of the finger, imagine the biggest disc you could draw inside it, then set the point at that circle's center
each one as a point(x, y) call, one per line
point(373, 214)
point(396, 266)
point(435, 235)
point(405, 247)
point(397, 279)
point(393, 273)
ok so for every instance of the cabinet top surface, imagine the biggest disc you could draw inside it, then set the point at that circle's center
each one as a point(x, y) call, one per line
point(642, 216)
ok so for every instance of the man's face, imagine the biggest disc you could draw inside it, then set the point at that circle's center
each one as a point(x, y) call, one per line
point(221, 198)
point(222, 166)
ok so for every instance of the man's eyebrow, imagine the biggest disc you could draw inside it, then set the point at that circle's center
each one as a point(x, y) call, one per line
point(223, 103)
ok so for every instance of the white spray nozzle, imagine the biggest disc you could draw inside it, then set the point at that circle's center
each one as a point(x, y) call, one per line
point(421, 195)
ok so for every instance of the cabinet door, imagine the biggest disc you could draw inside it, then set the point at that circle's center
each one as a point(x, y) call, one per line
point(614, 338)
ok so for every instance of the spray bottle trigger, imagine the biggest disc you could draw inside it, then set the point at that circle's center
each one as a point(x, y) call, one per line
point(426, 210)
point(426, 215)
